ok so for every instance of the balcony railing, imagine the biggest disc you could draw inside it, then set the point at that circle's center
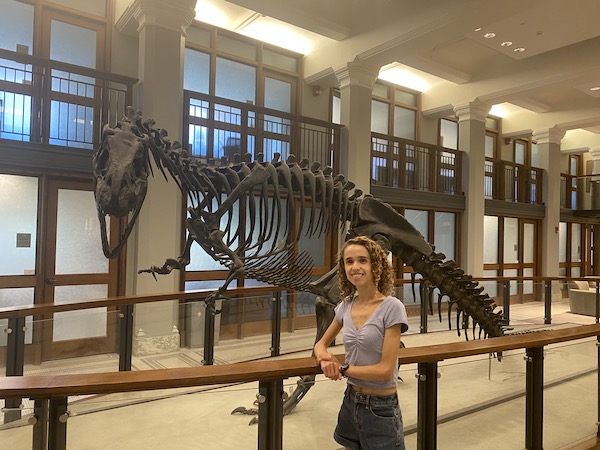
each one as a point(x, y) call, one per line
point(505, 180)
point(52, 102)
point(216, 127)
point(407, 164)
point(580, 193)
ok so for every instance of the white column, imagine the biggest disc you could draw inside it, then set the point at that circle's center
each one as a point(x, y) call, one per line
point(162, 25)
point(548, 141)
point(471, 132)
point(356, 87)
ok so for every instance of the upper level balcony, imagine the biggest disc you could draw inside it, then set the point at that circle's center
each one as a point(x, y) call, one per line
point(216, 128)
point(512, 182)
point(580, 194)
point(402, 163)
point(51, 102)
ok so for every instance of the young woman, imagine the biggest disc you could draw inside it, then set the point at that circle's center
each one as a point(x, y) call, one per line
point(372, 321)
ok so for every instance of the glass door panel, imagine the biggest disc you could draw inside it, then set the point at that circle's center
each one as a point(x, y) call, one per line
point(18, 225)
point(79, 324)
point(78, 246)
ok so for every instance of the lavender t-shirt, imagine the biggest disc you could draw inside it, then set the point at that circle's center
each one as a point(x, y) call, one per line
point(363, 346)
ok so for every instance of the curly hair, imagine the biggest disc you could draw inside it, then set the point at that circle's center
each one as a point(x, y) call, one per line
point(383, 277)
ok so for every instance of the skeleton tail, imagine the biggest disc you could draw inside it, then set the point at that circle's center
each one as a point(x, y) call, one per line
point(474, 309)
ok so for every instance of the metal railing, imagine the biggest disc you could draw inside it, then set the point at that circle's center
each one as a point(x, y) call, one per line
point(426, 426)
point(580, 192)
point(51, 393)
point(56, 103)
point(407, 164)
point(505, 180)
point(216, 127)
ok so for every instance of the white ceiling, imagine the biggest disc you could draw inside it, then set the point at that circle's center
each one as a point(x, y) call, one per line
point(546, 85)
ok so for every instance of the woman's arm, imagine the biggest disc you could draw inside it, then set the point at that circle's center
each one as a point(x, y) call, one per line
point(329, 363)
point(384, 369)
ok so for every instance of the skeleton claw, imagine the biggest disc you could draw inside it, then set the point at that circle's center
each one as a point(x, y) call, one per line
point(243, 410)
point(168, 267)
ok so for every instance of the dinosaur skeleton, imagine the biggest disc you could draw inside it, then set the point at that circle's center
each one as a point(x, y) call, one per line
point(242, 215)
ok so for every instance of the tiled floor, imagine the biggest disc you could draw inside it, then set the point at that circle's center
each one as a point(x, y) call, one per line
point(201, 418)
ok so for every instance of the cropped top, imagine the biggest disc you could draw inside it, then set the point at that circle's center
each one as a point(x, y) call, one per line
point(363, 346)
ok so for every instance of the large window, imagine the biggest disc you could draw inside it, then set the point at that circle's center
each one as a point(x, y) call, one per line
point(449, 134)
point(438, 228)
point(59, 106)
point(394, 111)
point(576, 249)
point(248, 74)
point(510, 251)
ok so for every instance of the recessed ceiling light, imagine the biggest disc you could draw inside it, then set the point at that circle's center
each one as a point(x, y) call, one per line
point(489, 35)
point(519, 50)
point(506, 44)
point(478, 29)
point(595, 88)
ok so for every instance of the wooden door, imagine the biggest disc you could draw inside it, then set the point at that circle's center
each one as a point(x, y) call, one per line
point(75, 270)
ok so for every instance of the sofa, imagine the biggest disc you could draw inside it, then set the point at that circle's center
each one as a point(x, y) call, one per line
point(582, 298)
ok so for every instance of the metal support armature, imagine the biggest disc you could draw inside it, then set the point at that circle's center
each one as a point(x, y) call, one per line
point(548, 302)
point(276, 325)
point(209, 332)
point(125, 337)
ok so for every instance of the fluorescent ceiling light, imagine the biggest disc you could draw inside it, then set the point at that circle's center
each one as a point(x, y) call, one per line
point(273, 31)
point(499, 111)
point(209, 13)
point(404, 78)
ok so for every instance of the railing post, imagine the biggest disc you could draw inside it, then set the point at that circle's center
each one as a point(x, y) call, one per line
point(548, 301)
point(423, 292)
point(125, 337)
point(597, 303)
point(506, 301)
point(40, 424)
point(598, 387)
point(15, 356)
point(57, 424)
point(276, 325)
point(534, 400)
point(270, 415)
point(427, 406)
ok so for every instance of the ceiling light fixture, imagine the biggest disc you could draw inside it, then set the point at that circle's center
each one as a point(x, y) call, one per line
point(519, 50)
point(595, 88)
point(506, 44)
point(477, 29)
point(489, 35)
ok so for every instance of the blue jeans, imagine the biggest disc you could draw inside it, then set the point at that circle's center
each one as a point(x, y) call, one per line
point(369, 422)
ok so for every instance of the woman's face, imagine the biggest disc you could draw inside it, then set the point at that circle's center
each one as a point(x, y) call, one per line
point(357, 265)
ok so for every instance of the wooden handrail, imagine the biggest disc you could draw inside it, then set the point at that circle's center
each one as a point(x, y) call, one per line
point(52, 386)
point(35, 310)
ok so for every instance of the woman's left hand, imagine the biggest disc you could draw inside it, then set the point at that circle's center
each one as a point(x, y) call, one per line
point(331, 369)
